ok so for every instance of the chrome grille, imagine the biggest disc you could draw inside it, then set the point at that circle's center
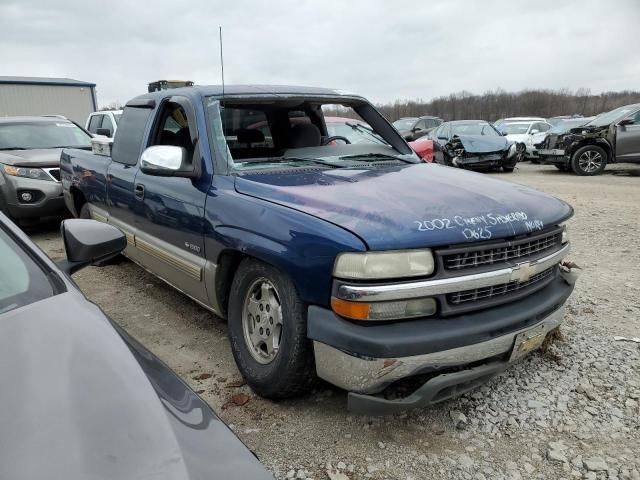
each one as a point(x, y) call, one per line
point(474, 257)
point(484, 293)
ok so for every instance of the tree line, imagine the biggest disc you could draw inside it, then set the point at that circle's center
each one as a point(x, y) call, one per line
point(496, 104)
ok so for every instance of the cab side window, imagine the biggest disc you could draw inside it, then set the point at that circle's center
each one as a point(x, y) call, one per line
point(94, 123)
point(107, 123)
point(173, 129)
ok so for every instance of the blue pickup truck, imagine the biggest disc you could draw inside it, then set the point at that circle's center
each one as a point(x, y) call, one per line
point(343, 257)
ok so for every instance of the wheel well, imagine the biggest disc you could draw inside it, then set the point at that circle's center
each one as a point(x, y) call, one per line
point(78, 199)
point(605, 146)
point(228, 262)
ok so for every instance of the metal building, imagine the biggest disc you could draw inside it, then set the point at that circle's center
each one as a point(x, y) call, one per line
point(47, 96)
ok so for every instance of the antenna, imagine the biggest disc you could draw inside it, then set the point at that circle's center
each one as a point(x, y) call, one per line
point(221, 60)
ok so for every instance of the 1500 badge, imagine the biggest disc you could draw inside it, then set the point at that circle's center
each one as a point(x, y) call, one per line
point(191, 246)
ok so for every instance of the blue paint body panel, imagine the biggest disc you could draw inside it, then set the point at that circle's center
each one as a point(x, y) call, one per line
point(393, 208)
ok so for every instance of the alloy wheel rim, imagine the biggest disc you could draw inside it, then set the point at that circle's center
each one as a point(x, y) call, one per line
point(262, 321)
point(590, 161)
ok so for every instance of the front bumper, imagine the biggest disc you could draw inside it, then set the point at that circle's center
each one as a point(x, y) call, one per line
point(553, 156)
point(457, 353)
point(49, 200)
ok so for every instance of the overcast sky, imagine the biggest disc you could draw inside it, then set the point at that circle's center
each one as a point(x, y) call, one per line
point(381, 49)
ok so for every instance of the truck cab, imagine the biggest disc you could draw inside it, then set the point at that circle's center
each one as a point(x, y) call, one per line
point(353, 262)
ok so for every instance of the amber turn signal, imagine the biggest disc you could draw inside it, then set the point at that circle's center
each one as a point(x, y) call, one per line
point(355, 310)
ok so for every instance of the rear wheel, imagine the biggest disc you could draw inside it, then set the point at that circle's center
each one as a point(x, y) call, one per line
point(589, 160)
point(508, 169)
point(268, 332)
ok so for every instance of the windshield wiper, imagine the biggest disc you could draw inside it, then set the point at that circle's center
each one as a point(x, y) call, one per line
point(14, 148)
point(368, 130)
point(374, 157)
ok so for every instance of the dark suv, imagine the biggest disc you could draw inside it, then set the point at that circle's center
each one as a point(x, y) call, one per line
point(610, 137)
point(412, 128)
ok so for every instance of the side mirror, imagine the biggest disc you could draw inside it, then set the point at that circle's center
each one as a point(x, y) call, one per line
point(534, 131)
point(103, 131)
point(416, 129)
point(442, 138)
point(625, 122)
point(166, 161)
point(504, 133)
point(88, 242)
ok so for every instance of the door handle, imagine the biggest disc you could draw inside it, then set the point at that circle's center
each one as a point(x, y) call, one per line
point(139, 191)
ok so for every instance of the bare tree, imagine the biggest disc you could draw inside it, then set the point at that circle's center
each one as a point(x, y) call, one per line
point(496, 104)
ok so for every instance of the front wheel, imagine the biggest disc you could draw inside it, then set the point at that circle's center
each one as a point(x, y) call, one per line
point(508, 169)
point(268, 332)
point(589, 160)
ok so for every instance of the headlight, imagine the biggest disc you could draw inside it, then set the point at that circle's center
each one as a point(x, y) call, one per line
point(35, 173)
point(384, 265)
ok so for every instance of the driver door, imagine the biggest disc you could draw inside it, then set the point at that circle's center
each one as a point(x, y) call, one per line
point(628, 140)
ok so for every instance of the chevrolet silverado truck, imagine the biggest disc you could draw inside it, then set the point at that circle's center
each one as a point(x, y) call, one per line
point(354, 262)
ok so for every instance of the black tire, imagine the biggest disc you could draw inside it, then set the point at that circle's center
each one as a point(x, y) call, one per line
point(562, 168)
point(581, 166)
point(292, 371)
point(508, 169)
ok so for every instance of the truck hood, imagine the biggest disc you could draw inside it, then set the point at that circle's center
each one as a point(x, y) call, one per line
point(78, 402)
point(411, 206)
point(41, 157)
point(483, 143)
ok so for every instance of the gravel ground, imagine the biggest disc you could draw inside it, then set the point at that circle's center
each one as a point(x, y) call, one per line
point(571, 411)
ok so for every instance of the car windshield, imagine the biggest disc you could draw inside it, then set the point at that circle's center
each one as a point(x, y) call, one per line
point(473, 129)
point(514, 128)
point(405, 123)
point(610, 117)
point(263, 132)
point(22, 280)
point(42, 134)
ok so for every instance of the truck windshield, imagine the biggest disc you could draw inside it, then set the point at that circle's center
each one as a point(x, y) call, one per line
point(267, 131)
point(42, 134)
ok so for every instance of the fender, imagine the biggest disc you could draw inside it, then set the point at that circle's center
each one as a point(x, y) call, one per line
point(302, 246)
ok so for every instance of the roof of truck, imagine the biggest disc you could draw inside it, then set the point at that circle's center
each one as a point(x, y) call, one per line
point(250, 90)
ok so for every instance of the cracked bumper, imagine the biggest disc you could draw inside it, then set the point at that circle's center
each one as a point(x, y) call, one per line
point(455, 354)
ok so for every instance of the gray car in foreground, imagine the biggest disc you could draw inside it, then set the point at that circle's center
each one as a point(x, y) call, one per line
point(82, 399)
point(30, 164)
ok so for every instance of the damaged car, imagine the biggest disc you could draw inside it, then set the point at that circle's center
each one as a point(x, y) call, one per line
point(610, 137)
point(474, 144)
point(357, 263)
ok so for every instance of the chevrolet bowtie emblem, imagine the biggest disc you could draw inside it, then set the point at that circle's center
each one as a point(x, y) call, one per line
point(522, 272)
